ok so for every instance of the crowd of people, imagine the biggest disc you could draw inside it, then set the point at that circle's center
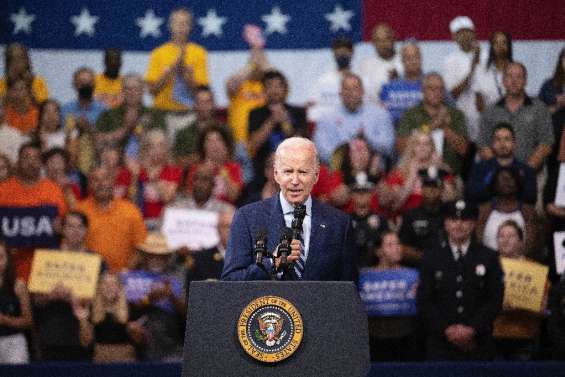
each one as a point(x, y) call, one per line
point(417, 159)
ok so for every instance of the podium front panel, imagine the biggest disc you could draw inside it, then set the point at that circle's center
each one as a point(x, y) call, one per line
point(335, 338)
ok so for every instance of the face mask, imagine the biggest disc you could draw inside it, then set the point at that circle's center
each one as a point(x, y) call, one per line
point(342, 61)
point(85, 92)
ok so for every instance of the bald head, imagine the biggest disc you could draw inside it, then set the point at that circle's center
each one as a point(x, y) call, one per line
point(412, 61)
point(383, 40)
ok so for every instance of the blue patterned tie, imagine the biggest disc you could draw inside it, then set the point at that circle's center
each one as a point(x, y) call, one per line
point(300, 262)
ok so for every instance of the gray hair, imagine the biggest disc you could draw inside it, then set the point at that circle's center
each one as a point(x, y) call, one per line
point(297, 142)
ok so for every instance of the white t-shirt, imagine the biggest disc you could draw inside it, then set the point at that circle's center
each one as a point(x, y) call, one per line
point(10, 141)
point(374, 72)
point(56, 140)
point(325, 94)
point(457, 66)
point(489, 83)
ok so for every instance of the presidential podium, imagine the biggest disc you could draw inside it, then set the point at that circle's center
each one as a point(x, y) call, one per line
point(263, 328)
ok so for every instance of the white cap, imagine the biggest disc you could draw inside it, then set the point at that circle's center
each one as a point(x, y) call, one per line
point(459, 23)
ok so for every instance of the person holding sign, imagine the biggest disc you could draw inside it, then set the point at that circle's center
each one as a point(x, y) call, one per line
point(156, 294)
point(460, 291)
point(62, 314)
point(15, 312)
point(31, 208)
point(516, 329)
point(389, 293)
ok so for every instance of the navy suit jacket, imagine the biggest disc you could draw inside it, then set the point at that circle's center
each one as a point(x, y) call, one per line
point(330, 255)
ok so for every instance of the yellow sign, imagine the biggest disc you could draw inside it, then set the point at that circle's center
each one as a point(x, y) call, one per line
point(76, 270)
point(270, 329)
point(524, 284)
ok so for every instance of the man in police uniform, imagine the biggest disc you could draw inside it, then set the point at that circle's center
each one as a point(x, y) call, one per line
point(367, 225)
point(461, 290)
point(420, 227)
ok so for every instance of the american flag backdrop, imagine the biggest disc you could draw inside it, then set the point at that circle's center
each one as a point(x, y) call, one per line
point(65, 34)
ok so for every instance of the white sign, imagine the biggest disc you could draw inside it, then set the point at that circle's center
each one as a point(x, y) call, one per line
point(558, 238)
point(194, 228)
point(438, 138)
point(560, 190)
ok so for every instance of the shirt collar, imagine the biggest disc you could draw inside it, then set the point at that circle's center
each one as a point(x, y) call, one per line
point(288, 209)
point(527, 101)
point(464, 248)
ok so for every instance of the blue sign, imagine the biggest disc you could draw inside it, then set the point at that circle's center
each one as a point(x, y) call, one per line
point(389, 293)
point(24, 227)
point(138, 284)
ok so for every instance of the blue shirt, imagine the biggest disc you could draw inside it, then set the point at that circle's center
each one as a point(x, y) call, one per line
point(91, 113)
point(399, 95)
point(288, 211)
point(341, 126)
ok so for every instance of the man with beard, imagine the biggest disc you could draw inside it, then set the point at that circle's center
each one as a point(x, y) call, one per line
point(528, 116)
point(503, 145)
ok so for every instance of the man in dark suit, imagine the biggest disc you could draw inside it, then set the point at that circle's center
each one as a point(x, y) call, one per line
point(461, 291)
point(324, 254)
point(270, 124)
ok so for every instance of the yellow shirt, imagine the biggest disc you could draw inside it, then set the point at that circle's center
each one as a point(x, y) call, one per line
point(108, 91)
point(114, 232)
point(38, 89)
point(249, 96)
point(162, 58)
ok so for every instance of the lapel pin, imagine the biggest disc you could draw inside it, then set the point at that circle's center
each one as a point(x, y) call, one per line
point(322, 225)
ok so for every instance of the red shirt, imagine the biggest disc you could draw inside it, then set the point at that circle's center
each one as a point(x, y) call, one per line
point(328, 182)
point(231, 168)
point(414, 200)
point(152, 203)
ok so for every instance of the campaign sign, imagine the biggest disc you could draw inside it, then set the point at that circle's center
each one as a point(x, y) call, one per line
point(28, 226)
point(76, 270)
point(194, 228)
point(138, 284)
point(524, 284)
point(389, 293)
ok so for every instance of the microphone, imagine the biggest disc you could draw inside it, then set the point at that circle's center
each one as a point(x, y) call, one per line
point(284, 247)
point(299, 214)
point(260, 246)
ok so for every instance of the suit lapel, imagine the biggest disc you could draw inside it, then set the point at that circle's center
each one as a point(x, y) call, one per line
point(276, 223)
point(317, 237)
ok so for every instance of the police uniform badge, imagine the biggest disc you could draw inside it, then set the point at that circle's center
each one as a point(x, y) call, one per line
point(270, 329)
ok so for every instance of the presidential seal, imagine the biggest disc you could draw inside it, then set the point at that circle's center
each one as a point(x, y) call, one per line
point(270, 329)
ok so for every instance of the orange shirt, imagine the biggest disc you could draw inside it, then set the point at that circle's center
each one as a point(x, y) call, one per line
point(25, 122)
point(114, 232)
point(14, 194)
